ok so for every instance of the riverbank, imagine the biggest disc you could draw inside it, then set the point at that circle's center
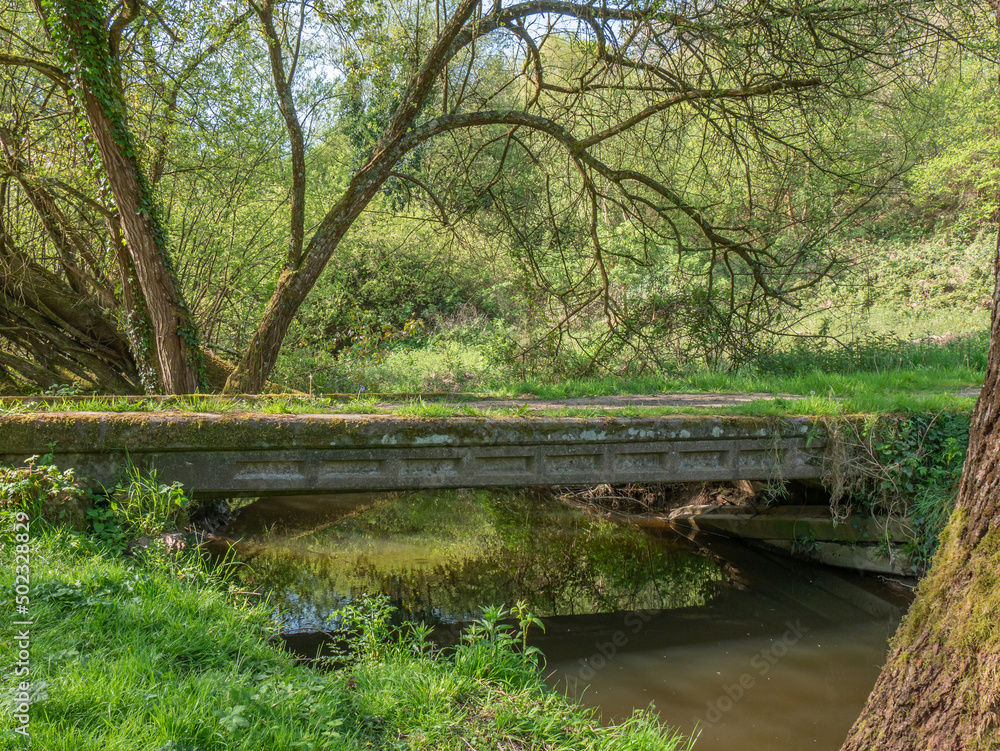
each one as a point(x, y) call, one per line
point(130, 644)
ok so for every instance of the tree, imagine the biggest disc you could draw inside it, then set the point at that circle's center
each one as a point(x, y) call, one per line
point(754, 76)
point(940, 687)
point(104, 211)
point(587, 140)
point(89, 47)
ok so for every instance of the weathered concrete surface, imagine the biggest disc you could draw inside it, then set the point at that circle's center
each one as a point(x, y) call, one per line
point(809, 533)
point(792, 523)
point(871, 558)
point(254, 454)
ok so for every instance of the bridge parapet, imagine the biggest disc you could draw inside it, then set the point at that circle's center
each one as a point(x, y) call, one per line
point(230, 455)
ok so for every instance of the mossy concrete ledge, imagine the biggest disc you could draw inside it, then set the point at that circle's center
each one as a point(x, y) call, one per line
point(257, 454)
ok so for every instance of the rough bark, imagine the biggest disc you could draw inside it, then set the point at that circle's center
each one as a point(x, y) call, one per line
point(103, 104)
point(940, 688)
point(167, 312)
point(54, 334)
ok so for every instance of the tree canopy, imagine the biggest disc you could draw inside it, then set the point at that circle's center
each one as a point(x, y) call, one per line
point(648, 166)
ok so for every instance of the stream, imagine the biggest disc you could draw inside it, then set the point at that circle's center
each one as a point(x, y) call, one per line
point(748, 649)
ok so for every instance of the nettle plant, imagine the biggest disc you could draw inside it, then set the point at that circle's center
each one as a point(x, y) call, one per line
point(140, 506)
point(40, 489)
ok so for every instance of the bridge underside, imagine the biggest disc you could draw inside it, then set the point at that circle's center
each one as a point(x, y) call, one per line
point(255, 455)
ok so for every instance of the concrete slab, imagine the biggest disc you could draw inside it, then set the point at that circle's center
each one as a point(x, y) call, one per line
point(229, 455)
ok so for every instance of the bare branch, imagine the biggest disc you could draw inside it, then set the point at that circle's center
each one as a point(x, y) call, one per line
point(286, 104)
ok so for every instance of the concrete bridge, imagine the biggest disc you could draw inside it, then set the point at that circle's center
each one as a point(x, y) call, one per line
point(231, 455)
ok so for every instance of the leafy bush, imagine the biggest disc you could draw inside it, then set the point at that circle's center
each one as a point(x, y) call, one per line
point(908, 466)
point(44, 492)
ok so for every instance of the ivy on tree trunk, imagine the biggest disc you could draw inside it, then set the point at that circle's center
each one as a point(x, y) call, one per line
point(78, 33)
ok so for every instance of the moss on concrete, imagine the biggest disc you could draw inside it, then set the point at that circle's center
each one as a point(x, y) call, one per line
point(86, 432)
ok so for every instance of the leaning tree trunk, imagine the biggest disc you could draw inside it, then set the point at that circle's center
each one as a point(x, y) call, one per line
point(302, 270)
point(940, 688)
point(78, 32)
point(258, 360)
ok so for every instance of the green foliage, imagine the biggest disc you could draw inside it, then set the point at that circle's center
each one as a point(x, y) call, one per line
point(180, 661)
point(389, 289)
point(366, 627)
point(954, 188)
point(914, 463)
point(43, 491)
point(494, 650)
point(107, 528)
point(933, 274)
point(63, 389)
point(140, 506)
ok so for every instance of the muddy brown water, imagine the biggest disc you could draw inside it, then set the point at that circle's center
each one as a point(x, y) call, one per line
point(748, 650)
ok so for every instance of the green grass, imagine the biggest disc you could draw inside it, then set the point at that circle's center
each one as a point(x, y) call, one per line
point(421, 408)
point(847, 337)
point(823, 394)
point(922, 380)
point(878, 374)
point(826, 393)
point(153, 652)
point(883, 366)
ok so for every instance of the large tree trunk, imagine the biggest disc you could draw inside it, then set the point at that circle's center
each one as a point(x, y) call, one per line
point(169, 316)
point(940, 688)
point(78, 32)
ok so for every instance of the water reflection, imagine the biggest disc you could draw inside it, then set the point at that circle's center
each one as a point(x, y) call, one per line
point(755, 652)
point(441, 556)
point(780, 665)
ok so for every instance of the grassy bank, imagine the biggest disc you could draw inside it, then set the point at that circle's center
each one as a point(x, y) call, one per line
point(463, 356)
point(148, 649)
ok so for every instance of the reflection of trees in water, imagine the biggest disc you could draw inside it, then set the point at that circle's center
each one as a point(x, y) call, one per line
point(560, 562)
point(558, 574)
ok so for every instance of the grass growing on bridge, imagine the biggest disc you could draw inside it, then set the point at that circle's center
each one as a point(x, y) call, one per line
point(151, 650)
point(820, 393)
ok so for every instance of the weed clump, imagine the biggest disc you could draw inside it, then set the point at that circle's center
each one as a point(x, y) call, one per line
point(42, 490)
point(900, 466)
